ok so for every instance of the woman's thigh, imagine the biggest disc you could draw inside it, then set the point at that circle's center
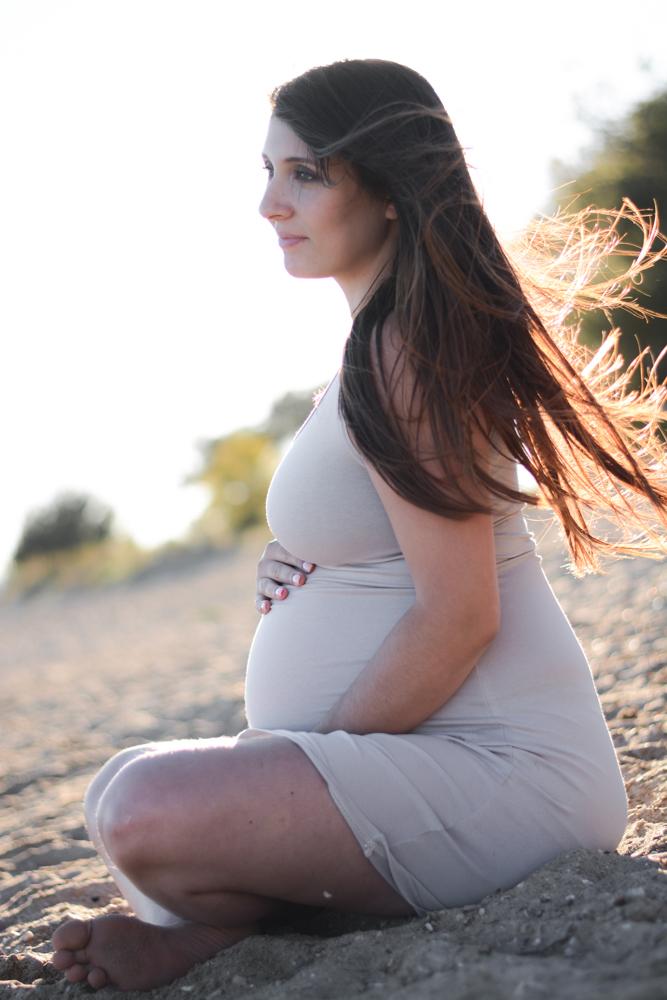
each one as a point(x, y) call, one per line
point(253, 816)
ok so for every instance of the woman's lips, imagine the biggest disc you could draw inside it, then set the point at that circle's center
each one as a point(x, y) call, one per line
point(290, 241)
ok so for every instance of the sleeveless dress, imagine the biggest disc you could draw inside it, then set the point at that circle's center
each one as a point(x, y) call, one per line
point(516, 767)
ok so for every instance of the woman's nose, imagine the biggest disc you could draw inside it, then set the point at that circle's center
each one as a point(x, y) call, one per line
point(273, 205)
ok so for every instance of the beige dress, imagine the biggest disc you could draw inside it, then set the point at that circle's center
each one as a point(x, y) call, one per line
point(515, 768)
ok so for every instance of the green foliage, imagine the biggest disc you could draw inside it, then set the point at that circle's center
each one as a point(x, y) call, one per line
point(69, 522)
point(91, 564)
point(70, 543)
point(628, 160)
point(237, 469)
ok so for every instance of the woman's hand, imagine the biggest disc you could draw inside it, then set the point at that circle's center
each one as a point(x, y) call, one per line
point(277, 567)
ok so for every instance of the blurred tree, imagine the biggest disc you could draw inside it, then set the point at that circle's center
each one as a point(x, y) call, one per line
point(287, 414)
point(70, 521)
point(627, 160)
point(237, 469)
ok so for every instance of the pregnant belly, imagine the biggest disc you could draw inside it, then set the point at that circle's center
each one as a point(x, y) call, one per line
point(310, 647)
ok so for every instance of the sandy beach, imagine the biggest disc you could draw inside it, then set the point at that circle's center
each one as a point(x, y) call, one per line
point(87, 673)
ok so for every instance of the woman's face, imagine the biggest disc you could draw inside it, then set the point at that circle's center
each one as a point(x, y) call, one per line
point(343, 232)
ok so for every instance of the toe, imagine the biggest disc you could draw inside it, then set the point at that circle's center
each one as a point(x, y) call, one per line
point(97, 978)
point(62, 960)
point(73, 935)
point(77, 973)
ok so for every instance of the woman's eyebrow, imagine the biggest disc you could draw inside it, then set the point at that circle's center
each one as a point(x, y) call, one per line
point(293, 159)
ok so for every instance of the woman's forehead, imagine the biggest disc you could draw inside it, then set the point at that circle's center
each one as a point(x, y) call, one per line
point(282, 142)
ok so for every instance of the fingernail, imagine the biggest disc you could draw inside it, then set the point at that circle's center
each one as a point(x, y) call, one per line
point(309, 567)
point(281, 592)
point(297, 578)
point(264, 606)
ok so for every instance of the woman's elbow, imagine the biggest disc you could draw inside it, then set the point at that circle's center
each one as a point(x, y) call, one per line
point(477, 622)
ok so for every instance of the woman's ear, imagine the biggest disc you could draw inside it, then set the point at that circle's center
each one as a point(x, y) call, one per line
point(390, 211)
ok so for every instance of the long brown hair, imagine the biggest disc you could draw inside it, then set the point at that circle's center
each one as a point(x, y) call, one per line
point(489, 334)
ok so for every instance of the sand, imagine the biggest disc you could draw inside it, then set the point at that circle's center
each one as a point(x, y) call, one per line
point(86, 673)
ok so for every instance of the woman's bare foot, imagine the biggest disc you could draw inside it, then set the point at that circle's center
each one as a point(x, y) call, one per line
point(127, 953)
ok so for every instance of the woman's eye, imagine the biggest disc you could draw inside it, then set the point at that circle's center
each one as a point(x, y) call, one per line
point(304, 175)
point(299, 173)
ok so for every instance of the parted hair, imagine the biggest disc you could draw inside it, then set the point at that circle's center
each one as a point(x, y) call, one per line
point(488, 334)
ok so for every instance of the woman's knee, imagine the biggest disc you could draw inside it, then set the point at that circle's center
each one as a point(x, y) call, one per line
point(133, 810)
point(106, 774)
point(147, 810)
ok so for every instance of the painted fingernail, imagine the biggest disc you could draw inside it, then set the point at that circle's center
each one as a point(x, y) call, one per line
point(297, 578)
point(309, 567)
point(265, 606)
point(281, 592)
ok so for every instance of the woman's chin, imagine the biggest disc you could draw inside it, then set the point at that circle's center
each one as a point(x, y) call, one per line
point(304, 274)
point(301, 270)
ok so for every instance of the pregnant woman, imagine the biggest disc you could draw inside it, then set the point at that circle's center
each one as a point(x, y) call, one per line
point(424, 727)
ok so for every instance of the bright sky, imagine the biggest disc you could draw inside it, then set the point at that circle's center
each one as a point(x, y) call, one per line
point(143, 302)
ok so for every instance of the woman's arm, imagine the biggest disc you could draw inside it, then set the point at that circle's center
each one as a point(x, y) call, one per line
point(429, 653)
